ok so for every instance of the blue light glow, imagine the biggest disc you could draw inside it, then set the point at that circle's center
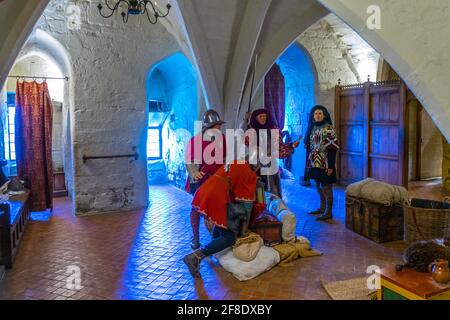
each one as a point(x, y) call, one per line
point(299, 78)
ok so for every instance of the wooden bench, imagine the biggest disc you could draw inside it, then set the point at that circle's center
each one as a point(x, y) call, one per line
point(14, 216)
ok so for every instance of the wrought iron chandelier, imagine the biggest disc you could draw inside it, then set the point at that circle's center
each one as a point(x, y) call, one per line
point(135, 7)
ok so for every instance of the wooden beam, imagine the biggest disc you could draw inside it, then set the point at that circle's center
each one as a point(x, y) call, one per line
point(403, 136)
point(418, 155)
point(366, 138)
point(337, 125)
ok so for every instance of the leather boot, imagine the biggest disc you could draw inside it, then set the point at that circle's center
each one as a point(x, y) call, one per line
point(192, 261)
point(195, 224)
point(243, 230)
point(195, 243)
point(323, 204)
point(328, 193)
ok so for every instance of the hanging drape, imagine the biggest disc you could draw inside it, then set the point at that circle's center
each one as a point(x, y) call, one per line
point(33, 140)
point(274, 96)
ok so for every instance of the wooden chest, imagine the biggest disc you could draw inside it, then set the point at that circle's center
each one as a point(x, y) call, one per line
point(374, 221)
point(269, 228)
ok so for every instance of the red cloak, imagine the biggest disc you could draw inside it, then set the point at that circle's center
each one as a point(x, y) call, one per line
point(211, 198)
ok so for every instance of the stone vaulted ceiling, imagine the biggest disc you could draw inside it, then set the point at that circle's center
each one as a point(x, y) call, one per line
point(223, 38)
point(226, 36)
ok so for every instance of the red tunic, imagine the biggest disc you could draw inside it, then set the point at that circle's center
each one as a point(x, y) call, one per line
point(208, 169)
point(211, 198)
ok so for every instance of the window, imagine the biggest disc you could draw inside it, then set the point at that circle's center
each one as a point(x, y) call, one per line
point(11, 155)
point(9, 134)
point(154, 143)
point(158, 113)
point(10, 145)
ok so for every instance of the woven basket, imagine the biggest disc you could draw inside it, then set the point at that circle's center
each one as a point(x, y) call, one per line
point(426, 219)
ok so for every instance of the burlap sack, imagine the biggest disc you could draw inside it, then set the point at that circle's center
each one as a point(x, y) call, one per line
point(379, 192)
point(246, 249)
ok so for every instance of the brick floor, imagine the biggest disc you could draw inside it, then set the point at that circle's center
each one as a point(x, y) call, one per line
point(137, 255)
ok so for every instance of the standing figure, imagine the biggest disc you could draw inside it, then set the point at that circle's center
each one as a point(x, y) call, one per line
point(235, 182)
point(288, 161)
point(322, 146)
point(199, 168)
point(260, 120)
point(306, 182)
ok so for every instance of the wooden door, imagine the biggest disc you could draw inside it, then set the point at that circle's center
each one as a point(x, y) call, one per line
point(388, 134)
point(372, 129)
point(350, 130)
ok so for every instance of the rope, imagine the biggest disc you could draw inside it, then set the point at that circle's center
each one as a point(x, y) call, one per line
point(414, 216)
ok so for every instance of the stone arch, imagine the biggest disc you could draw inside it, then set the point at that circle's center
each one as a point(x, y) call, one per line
point(44, 62)
point(419, 63)
point(301, 81)
point(43, 45)
point(312, 65)
point(174, 81)
point(276, 45)
point(18, 19)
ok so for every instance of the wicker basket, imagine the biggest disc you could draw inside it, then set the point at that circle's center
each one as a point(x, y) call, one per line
point(426, 219)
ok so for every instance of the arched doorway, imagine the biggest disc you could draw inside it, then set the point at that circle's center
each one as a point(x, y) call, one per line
point(300, 82)
point(33, 64)
point(173, 103)
point(44, 58)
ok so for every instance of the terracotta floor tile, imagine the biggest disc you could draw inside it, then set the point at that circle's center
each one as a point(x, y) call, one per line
point(138, 255)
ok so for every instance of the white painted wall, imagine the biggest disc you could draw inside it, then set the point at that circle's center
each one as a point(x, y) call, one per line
point(414, 39)
point(432, 149)
point(110, 62)
point(328, 53)
point(39, 67)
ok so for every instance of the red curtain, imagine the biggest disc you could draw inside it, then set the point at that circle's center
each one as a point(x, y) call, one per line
point(33, 135)
point(274, 96)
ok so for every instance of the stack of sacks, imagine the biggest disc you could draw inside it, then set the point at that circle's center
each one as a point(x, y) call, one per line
point(246, 249)
point(278, 208)
point(379, 192)
point(248, 258)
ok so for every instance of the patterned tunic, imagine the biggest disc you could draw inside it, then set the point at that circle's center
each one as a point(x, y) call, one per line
point(323, 138)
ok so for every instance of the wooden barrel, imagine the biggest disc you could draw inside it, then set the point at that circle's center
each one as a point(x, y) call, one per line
point(426, 219)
